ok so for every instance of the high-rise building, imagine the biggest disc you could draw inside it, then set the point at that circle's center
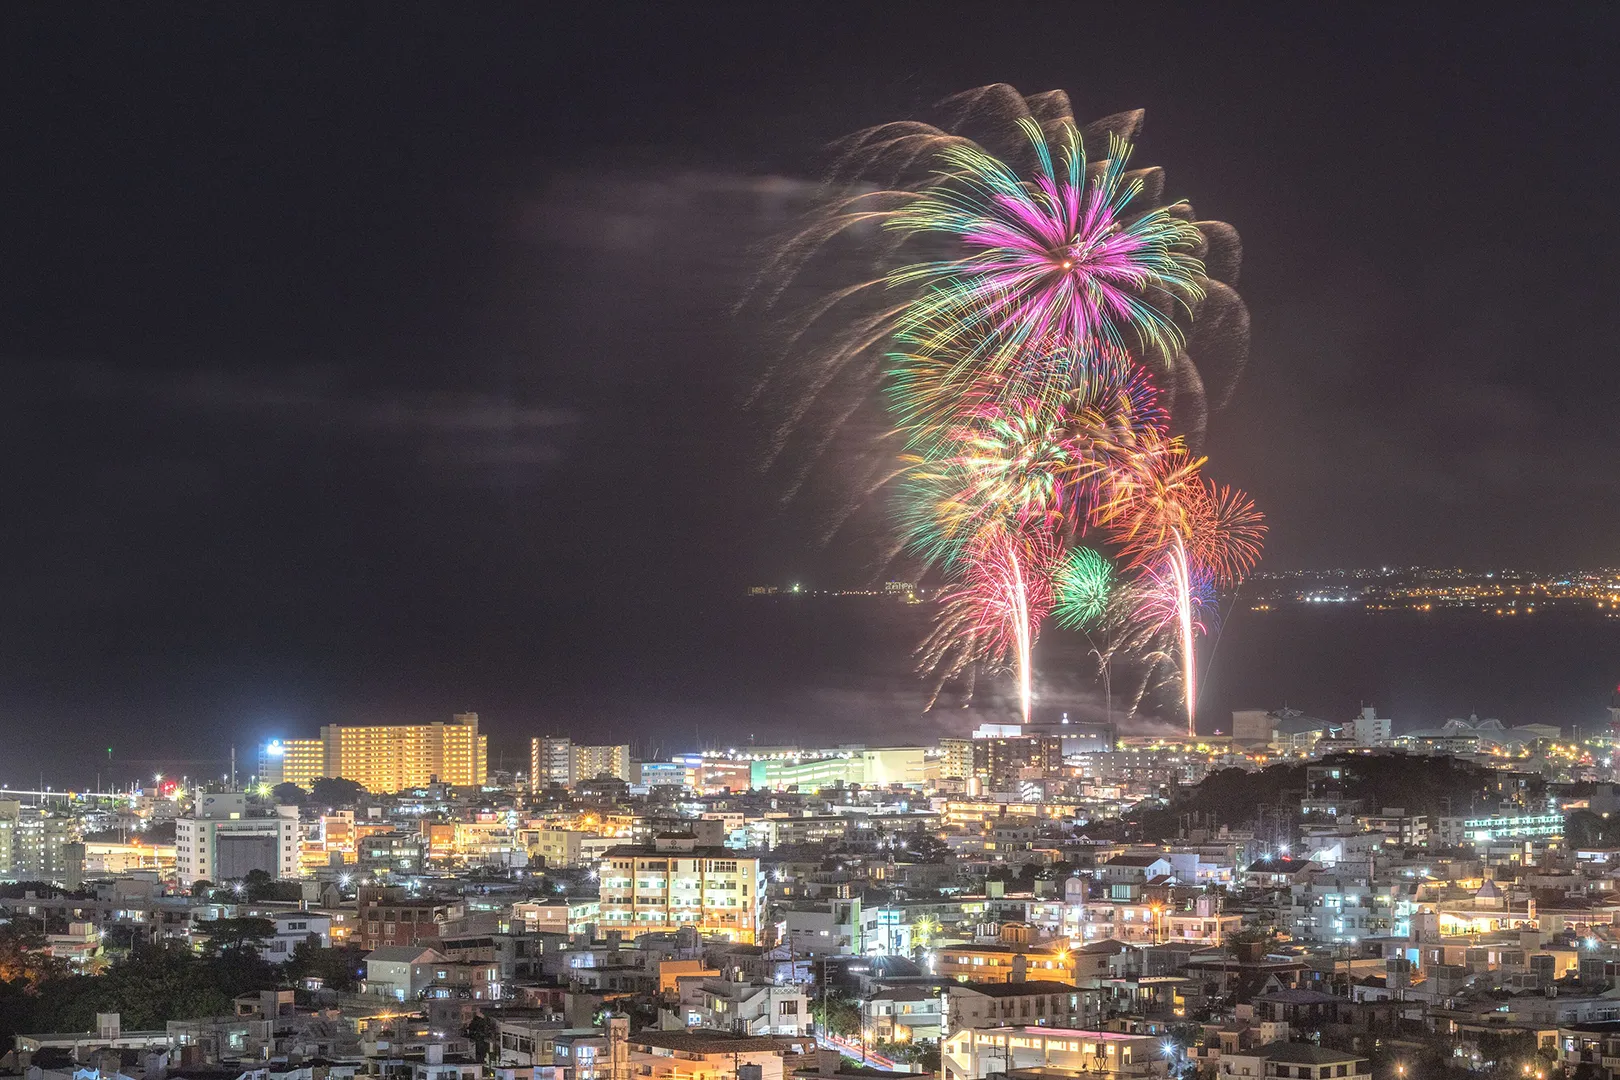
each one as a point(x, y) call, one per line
point(394, 757)
point(675, 882)
point(35, 845)
point(555, 759)
point(1000, 763)
point(222, 840)
point(293, 761)
point(1371, 729)
point(383, 757)
point(551, 761)
point(955, 759)
point(589, 762)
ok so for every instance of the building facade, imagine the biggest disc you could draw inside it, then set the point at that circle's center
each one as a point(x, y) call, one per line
point(1106, 1055)
point(1000, 763)
point(383, 758)
point(35, 844)
point(293, 761)
point(590, 762)
point(673, 882)
point(389, 916)
point(551, 761)
point(222, 840)
point(557, 759)
point(395, 757)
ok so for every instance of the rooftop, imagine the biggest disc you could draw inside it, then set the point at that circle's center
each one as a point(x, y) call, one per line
point(1300, 997)
point(1067, 1033)
point(1304, 1054)
point(707, 1041)
point(1018, 989)
point(627, 851)
point(403, 954)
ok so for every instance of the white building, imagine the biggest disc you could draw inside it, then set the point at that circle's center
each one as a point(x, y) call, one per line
point(1290, 1059)
point(750, 1008)
point(972, 1053)
point(1370, 729)
point(222, 840)
point(674, 882)
point(293, 928)
point(1329, 906)
point(551, 760)
point(401, 972)
point(1042, 1002)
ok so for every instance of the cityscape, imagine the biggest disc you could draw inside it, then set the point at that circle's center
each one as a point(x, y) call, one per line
point(380, 891)
point(1417, 588)
point(809, 542)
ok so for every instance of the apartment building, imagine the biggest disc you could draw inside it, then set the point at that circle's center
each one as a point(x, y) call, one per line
point(990, 1004)
point(395, 757)
point(557, 759)
point(674, 882)
point(1017, 956)
point(293, 761)
point(383, 757)
point(550, 761)
point(35, 844)
point(388, 915)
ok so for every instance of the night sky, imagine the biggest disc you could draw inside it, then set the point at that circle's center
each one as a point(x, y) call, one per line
point(382, 363)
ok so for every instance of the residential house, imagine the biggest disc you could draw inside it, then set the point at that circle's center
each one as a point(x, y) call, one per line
point(996, 1004)
point(972, 1053)
point(750, 1008)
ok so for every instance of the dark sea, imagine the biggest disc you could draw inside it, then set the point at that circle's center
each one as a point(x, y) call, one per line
point(670, 678)
point(843, 667)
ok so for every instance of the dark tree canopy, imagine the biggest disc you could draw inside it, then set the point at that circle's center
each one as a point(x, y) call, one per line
point(288, 794)
point(336, 791)
point(1419, 785)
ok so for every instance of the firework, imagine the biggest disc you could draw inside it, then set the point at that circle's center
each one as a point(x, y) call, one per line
point(1082, 589)
point(1186, 536)
point(1064, 257)
point(953, 248)
point(992, 616)
point(1031, 325)
point(1227, 534)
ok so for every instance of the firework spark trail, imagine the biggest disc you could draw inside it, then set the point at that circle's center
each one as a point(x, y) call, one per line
point(1181, 577)
point(1018, 588)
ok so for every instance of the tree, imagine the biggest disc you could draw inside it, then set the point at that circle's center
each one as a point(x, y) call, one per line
point(154, 983)
point(340, 968)
point(336, 791)
point(201, 888)
point(924, 847)
point(23, 958)
point(258, 886)
point(288, 794)
point(484, 1034)
point(238, 935)
point(1266, 937)
point(924, 1052)
point(841, 1016)
point(1582, 828)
